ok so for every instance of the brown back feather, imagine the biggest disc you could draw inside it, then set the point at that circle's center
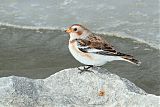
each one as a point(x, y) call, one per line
point(98, 42)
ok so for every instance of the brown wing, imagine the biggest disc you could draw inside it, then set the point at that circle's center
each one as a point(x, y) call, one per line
point(99, 43)
point(100, 46)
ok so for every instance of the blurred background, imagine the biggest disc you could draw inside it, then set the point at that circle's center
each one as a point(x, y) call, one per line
point(33, 42)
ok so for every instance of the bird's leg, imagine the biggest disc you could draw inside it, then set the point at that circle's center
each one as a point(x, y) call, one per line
point(85, 69)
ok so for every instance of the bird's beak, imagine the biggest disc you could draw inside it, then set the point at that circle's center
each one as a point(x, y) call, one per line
point(68, 30)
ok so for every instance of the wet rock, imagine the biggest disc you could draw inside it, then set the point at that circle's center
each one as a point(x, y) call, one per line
point(69, 88)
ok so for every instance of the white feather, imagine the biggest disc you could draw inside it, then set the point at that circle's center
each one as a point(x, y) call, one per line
point(94, 50)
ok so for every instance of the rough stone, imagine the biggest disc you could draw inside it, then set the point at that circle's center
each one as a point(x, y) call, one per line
point(69, 88)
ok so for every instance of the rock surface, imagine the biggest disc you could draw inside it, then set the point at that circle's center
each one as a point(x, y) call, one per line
point(69, 88)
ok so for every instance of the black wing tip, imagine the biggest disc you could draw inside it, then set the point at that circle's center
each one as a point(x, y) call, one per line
point(138, 63)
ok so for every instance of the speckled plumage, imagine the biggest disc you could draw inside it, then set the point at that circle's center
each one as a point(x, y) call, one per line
point(91, 49)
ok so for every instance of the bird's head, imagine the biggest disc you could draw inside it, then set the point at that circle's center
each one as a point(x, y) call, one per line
point(78, 31)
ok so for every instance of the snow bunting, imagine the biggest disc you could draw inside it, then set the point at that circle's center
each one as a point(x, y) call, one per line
point(93, 50)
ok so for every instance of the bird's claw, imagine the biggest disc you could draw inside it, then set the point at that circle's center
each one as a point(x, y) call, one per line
point(85, 69)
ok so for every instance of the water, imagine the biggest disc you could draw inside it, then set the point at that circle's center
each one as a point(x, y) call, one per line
point(32, 43)
point(38, 53)
point(138, 19)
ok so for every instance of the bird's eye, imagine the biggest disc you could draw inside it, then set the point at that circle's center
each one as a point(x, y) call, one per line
point(75, 29)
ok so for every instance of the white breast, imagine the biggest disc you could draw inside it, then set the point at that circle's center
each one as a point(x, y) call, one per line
point(85, 58)
point(80, 56)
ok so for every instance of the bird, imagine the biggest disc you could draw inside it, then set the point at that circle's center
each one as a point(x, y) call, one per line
point(92, 49)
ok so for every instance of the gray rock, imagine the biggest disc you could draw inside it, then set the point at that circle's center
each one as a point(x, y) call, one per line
point(69, 88)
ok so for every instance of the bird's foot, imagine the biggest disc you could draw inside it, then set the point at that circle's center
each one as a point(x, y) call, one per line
point(85, 69)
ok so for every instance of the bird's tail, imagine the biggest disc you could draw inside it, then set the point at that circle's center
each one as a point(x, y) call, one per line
point(130, 59)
